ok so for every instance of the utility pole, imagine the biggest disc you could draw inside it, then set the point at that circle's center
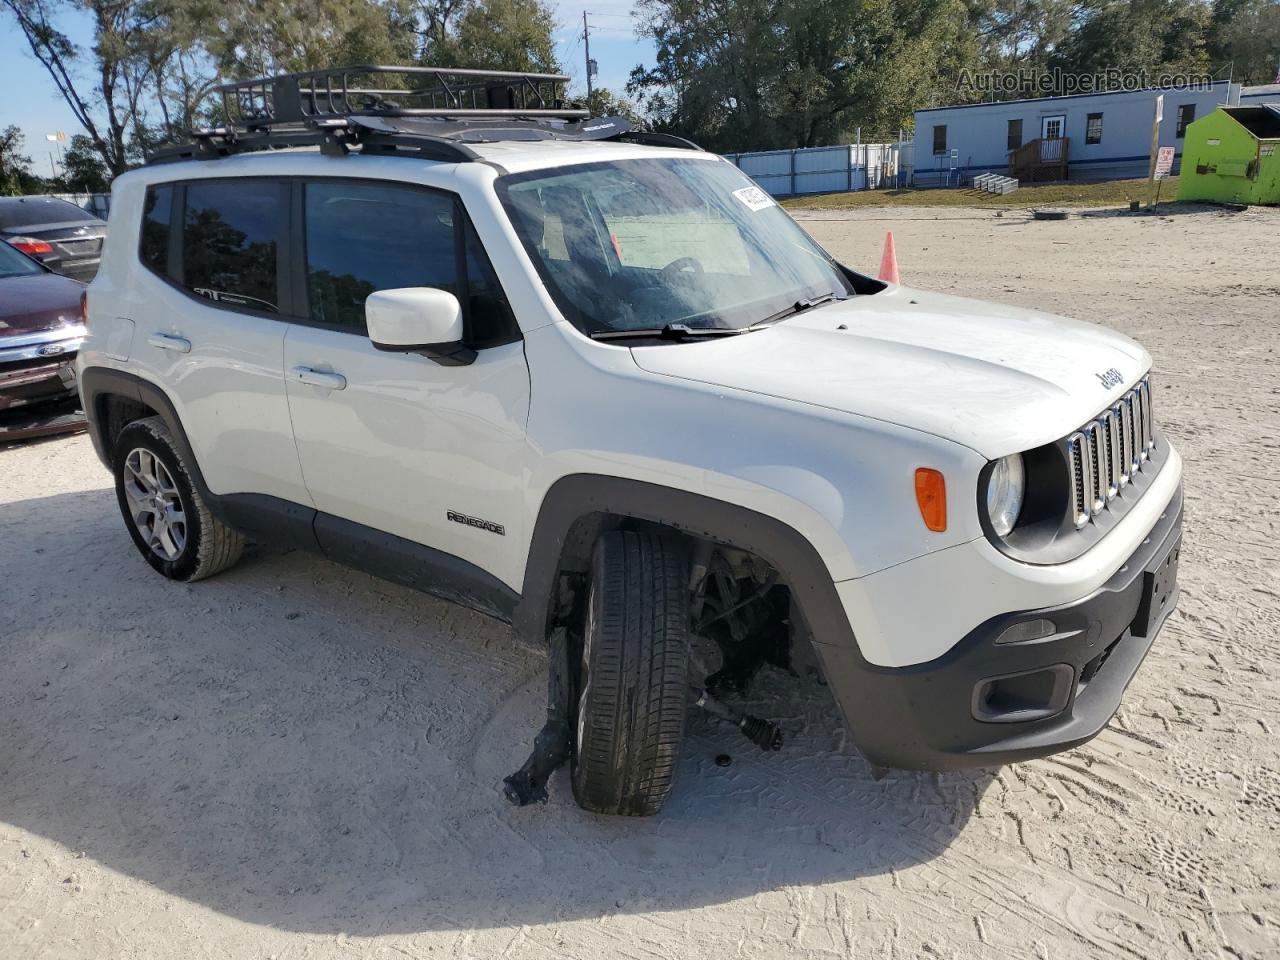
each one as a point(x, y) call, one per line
point(586, 40)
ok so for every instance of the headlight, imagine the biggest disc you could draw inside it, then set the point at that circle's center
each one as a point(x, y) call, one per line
point(1005, 489)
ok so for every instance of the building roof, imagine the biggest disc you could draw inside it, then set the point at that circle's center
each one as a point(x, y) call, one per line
point(1263, 90)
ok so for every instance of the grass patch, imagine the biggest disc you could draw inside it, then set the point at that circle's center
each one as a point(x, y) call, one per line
point(1108, 193)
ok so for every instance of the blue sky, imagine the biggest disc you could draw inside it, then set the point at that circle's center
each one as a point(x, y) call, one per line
point(31, 101)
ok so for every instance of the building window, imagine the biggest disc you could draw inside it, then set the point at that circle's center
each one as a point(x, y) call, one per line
point(1015, 134)
point(1186, 113)
point(1093, 128)
point(939, 139)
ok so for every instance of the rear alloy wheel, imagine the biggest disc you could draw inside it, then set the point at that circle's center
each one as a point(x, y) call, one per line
point(633, 675)
point(168, 520)
point(155, 504)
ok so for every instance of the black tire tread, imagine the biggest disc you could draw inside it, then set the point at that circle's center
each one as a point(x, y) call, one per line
point(635, 717)
point(217, 545)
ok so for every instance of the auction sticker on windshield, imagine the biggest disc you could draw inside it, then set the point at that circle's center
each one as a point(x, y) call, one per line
point(754, 198)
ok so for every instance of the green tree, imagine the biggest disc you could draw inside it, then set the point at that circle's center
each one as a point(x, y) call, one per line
point(82, 168)
point(15, 165)
point(1155, 36)
point(764, 74)
point(604, 103)
point(260, 38)
point(498, 35)
point(1245, 41)
point(131, 40)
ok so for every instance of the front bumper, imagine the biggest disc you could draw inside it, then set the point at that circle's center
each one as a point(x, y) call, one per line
point(23, 384)
point(985, 703)
point(39, 366)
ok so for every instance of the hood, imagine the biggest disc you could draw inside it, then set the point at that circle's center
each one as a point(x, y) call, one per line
point(33, 304)
point(997, 379)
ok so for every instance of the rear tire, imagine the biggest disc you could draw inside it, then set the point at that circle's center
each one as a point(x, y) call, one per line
point(164, 513)
point(632, 690)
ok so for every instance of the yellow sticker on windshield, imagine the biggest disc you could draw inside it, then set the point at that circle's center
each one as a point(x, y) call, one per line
point(754, 198)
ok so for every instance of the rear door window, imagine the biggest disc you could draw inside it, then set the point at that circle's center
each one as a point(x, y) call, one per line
point(232, 233)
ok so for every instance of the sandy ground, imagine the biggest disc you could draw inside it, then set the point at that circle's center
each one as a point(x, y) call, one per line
point(297, 761)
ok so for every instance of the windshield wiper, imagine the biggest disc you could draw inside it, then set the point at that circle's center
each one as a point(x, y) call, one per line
point(672, 331)
point(801, 305)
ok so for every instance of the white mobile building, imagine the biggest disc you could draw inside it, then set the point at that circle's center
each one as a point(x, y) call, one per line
point(1095, 136)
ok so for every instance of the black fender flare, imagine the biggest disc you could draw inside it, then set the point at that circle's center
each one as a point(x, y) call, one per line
point(285, 523)
point(577, 496)
point(98, 383)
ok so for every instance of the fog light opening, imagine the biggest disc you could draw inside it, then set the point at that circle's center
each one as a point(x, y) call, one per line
point(1021, 697)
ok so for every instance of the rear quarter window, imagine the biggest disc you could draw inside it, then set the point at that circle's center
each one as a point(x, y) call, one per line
point(153, 247)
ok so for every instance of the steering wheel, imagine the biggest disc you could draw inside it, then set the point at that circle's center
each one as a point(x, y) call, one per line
point(683, 265)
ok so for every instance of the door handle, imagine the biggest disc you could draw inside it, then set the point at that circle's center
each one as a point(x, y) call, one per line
point(167, 341)
point(320, 378)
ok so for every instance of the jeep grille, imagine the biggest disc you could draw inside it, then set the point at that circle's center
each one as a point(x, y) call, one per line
point(1107, 452)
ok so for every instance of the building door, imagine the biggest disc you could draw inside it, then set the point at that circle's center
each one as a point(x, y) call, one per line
point(1051, 127)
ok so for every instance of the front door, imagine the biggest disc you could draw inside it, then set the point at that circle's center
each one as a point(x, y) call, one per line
point(396, 441)
point(1051, 128)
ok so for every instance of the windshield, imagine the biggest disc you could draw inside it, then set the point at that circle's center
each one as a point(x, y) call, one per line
point(641, 244)
point(15, 264)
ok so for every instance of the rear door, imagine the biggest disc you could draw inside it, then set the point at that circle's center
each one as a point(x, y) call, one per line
point(210, 320)
point(397, 442)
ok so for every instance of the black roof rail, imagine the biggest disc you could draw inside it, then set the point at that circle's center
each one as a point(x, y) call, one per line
point(652, 139)
point(430, 112)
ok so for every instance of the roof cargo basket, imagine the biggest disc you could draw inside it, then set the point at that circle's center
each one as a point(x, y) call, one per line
point(431, 112)
point(382, 91)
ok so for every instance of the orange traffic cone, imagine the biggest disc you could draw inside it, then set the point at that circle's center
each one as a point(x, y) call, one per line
point(889, 262)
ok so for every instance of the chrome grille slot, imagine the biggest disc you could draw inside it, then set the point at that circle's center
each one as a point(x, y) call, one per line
point(1096, 449)
point(1127, 446)
point(1112, 427)
point(1080, 497)
point(1148, 424)
point(1134, 423)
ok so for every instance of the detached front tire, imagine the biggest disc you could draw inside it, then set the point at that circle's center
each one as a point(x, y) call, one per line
point(632, 691)
point(164, 513)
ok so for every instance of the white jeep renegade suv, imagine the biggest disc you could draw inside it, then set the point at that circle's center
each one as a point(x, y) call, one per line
point(610, 392)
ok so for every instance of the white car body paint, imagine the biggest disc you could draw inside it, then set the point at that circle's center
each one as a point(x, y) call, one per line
point(819, 427)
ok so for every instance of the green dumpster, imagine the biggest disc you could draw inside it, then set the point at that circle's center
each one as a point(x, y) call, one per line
point(1233, 155)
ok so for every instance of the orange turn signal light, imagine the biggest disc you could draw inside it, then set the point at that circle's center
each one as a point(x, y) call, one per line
point(931, 495)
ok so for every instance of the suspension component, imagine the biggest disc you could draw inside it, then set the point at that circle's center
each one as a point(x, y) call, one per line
point(765, 734)
point(551, 747)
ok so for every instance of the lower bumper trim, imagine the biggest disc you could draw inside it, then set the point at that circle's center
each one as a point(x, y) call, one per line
point(933, 716)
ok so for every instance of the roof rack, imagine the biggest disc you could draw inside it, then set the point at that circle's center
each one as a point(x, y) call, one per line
point(431, 112)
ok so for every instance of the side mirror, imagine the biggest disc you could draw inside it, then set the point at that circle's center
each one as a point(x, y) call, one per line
point(418, 320)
